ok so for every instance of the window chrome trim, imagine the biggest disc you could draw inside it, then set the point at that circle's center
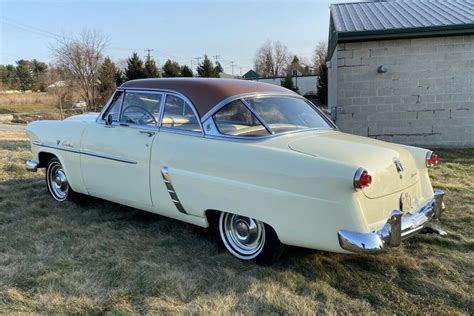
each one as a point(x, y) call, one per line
point(226, 101)
point(259, 118)
point(212, 132)
point(246, 139)
point(163, 93)
point(186, 100)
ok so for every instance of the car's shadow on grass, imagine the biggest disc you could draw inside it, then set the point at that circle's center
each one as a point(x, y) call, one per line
point(103, 250)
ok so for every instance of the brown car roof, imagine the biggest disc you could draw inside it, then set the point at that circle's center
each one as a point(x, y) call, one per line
point(205, 93)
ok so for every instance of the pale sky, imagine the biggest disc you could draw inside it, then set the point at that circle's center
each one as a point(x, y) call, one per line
point(179, 30)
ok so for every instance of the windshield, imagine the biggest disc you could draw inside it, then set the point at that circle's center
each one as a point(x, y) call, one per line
point(283, 114)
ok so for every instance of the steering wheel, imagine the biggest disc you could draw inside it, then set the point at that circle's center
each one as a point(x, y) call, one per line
point(151, 117)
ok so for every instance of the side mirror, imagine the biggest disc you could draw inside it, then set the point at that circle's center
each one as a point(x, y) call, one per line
point(109, 120)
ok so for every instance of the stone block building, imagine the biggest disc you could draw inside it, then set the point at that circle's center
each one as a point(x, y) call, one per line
point(403, 71)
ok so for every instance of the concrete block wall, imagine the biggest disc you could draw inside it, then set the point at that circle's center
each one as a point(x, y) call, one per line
point(425, 98)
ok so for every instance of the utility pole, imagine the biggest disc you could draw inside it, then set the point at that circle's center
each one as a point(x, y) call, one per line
point(232, 65)
point(240, 71)
point(198, 59)
point(216, 57)
point(148, 50)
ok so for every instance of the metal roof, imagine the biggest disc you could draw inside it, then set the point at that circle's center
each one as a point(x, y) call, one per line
point(360, 21)
point(401, 14)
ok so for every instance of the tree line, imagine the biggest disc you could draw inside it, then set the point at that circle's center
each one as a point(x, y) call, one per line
point(273, 59)
point(25, 75)
point(80, 62)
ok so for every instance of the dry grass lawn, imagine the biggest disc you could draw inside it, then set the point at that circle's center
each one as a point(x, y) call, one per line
point(28, 102)
point(102, 257)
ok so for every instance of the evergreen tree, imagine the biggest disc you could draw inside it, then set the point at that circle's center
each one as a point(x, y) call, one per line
point(24, 72)
point(186, 71)
point(322, 86)
point(107, 79)
point(151, 70)
point(8, 77)
point(135, 68)
point(171, 69)
point(40, 72)
point(219, 68)
point(119, 77)
point(287, 82)
point(207, 69)
point(11, 79)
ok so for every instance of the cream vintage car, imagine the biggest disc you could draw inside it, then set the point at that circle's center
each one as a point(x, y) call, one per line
point(258, 162)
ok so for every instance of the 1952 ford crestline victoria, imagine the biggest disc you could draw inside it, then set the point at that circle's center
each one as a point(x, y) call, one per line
point(259, 162)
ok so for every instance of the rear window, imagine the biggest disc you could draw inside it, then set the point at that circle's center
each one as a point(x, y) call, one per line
point(283, 114)
point(236, 119)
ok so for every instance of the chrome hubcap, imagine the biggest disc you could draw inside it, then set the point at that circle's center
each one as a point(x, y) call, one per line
point(244, 237)
point(57, 182)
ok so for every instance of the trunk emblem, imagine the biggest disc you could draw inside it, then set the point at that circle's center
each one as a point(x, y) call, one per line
point(398, 165)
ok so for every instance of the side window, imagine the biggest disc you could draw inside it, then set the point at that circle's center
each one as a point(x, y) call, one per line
point(179, 114)
point(141, 108)
point(114, 107)
point(235, 119)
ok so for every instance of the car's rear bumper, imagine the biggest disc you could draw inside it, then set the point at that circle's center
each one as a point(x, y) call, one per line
point(32, 165)
point(397, 227)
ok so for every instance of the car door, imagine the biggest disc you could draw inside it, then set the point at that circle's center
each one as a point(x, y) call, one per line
point(115, 156)
point(172, 185)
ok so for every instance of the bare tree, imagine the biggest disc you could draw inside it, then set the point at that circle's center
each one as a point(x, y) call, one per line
point(81, 58)
point(60, 87)
point(320, 54)
point(272, 59)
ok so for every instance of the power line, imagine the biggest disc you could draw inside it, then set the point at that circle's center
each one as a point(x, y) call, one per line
point(29, 28)
point(149, 50)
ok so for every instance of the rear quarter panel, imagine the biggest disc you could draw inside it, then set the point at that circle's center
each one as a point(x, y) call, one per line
point(304, 198)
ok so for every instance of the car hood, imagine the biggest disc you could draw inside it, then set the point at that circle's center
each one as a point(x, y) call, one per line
point(377, 157)
point(86, 117)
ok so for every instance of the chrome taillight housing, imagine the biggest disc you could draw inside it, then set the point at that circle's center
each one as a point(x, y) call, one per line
point(431, 159)
point(362, 179)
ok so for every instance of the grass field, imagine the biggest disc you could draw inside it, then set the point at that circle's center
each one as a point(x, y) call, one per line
point(28, 103)
point(102, 257)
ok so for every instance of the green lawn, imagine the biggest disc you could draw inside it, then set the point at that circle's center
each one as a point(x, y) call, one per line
point(103, 257)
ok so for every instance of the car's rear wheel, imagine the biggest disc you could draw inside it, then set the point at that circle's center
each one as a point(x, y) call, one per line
point(249, 239)
point(57, 182)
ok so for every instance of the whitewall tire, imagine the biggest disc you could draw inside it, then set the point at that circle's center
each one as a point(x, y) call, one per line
point(249, 239)
point(58, 183)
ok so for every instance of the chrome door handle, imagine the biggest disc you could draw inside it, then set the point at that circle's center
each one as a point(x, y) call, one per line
point(149, 133)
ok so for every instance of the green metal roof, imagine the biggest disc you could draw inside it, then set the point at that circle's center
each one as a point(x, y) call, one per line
point(399, 19)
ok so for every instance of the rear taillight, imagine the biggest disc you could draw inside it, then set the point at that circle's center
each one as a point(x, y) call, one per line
point(362, 179)
point(431, 159)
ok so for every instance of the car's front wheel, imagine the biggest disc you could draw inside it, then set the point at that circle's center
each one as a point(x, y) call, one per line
point(249, 239)
point(57, 182)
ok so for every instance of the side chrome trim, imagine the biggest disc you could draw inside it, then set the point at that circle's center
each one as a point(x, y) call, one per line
point(89, 153)
point(169, 186)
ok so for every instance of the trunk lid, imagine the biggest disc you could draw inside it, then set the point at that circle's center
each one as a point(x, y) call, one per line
point(379, 158)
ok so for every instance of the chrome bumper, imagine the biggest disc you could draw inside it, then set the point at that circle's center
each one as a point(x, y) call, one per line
point(32, 165)
point(398, 227)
